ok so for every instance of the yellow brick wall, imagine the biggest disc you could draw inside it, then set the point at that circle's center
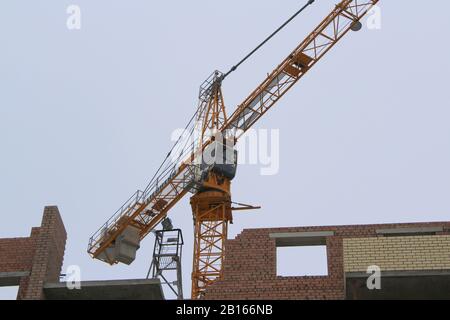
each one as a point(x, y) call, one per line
point(397, 253)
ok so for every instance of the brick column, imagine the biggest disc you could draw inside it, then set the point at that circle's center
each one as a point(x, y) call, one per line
point(49, 242)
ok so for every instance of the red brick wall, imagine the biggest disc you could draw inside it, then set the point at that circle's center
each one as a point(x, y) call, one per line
point(250, 265)
point(17, 254)
point(41, 255)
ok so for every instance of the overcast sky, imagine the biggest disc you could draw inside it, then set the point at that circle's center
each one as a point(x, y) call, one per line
point(86, 115)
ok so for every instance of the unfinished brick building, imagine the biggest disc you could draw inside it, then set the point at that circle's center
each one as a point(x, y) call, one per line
point(34, 264)
point(32, 261)
point(414, 260)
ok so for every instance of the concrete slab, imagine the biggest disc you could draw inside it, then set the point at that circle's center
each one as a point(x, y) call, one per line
point(9, 279)
point(294, 239)
point(137, 289)
point(410, 231)
point(403, 285)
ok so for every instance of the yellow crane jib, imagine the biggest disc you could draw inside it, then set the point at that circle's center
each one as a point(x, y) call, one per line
point(210, 182)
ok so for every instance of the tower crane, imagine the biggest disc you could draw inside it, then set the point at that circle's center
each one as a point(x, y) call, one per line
point(213, 134)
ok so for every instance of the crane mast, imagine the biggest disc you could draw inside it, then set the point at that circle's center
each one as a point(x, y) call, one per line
point(210, 183)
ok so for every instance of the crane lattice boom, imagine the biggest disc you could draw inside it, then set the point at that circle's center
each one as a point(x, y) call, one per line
point(144, 210)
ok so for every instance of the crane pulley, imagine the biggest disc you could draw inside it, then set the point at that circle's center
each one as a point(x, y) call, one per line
point(210, 181)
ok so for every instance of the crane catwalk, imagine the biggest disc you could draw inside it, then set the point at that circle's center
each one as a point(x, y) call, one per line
point(210, 183)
